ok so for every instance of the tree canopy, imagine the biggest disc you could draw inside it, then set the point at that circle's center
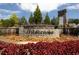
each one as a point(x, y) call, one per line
point(76, 21)
point(31, 19)
point(47, 19)
point(37, 16)
point(23, 20)
point(55, 21)
point(14, 18)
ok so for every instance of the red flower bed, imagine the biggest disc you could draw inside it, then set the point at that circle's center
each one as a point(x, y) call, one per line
point(41, 48)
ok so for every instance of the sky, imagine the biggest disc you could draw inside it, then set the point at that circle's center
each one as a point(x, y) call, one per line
point(25, 9)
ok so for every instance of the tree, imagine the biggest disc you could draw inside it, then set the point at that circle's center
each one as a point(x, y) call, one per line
point(31, 19)
point(23, 21)
point(53, 21)
point(11, 23)
point(4, 23)
point(37, 16)
point(47, 19)
point(76, 21)
point(14, 18)
point(71, 21)
point(1, 22)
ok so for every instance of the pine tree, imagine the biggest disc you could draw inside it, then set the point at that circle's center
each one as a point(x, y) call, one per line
point(31, 19)
point(47, 19)
point(53, 21)
point(23, 21)
point(37, 16)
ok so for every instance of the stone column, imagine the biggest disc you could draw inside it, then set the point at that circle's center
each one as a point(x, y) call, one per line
point(62, 17)
point(21, 30)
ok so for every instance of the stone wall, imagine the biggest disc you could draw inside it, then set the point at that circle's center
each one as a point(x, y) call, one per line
point(40, 32)
point(30, 31)
point(9, 30)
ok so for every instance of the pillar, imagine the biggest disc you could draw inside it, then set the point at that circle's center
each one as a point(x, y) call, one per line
point(62, 17)
point(21, 30)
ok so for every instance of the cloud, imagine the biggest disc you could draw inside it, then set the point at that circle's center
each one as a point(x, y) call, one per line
point(2, 16)
point(73, 7)
point(8, 11)
point(69, 6)
point(5, 14)
point(44, 7)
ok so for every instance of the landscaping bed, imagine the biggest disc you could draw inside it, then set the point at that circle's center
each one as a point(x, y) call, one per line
point(41, 48)
point(27, 45)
